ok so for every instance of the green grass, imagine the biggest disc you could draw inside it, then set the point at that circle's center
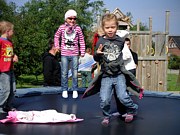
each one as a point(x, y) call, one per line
point(172, 84)
point(30, 81)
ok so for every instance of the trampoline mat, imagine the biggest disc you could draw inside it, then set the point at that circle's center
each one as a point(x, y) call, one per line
point(156, 116)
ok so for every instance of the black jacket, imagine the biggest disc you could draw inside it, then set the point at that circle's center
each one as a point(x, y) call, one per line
point(135, 57)
point(113, 66)
point(51, 70)
point(111, 60)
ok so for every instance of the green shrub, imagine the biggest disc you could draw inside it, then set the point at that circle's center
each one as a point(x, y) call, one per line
point(174, 62)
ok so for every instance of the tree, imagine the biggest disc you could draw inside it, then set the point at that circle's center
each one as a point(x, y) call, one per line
point(36, 22)
point(97, 9)
point(142, 26)
point(174, 62)
point(7, 12)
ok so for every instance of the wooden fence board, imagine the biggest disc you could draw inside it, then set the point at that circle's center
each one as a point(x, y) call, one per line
point(152, 67)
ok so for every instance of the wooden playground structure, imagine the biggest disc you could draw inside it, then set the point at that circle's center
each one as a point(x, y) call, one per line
point(152, 50)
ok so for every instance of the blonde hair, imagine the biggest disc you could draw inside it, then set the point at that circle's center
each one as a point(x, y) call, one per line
point(100, 31)
point(5, 26)
point(109, 17)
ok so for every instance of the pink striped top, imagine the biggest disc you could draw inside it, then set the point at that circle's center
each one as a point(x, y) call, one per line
point(69, 42)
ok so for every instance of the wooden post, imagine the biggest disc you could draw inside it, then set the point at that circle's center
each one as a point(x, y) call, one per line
point(167, 22)
point(150, 34)
point(150, 24)
point(138, 23)
point(178, 80)
point(166, 44)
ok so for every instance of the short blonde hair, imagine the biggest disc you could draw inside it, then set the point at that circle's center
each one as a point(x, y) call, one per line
point(109, 17)
point(5, 26)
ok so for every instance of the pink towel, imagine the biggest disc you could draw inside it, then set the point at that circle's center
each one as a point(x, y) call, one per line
point(46, 116)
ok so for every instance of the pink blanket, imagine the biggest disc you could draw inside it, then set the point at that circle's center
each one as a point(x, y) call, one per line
point(46, 116)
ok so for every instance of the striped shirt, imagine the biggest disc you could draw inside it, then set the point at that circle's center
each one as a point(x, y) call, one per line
point(69, 43)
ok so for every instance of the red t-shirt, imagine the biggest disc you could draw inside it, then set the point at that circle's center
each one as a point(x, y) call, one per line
point(6, 55)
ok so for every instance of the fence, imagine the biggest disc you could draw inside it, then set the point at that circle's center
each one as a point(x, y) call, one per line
point(152, 60)
point(152, 50)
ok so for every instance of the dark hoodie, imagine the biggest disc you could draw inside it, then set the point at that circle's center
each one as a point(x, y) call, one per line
point(112, 65)
point(110, 61)
point(51, 70)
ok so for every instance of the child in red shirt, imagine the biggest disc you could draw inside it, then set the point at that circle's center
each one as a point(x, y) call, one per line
point(7, 58)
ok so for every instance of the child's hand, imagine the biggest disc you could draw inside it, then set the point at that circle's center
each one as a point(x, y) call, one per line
point(81, 55)
point(15, 58)
point(99, 50)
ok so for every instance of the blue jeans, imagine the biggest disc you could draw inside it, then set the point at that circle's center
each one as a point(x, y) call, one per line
point(106, 91)
point(7, 88)
point(67, 61)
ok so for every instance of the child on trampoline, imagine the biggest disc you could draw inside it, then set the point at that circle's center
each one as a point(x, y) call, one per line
point(109, 55)
point(69, 37)
point(7, 58)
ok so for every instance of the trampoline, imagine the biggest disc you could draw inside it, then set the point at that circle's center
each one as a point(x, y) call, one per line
point(159, 114)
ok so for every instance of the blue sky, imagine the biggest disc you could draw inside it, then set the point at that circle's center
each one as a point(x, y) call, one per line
point(143, 9)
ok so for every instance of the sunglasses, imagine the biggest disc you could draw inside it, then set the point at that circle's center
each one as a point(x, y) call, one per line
point(72, 18)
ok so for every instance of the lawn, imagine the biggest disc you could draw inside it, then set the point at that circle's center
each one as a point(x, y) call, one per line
point(172, 83)
point(31, 81)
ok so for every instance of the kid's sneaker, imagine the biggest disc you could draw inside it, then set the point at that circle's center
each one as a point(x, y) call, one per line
point(75, 94)
point(65, 94)
point(105, 121)
point(129, 118)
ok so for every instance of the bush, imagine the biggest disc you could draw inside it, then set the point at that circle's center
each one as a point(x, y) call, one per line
point(174, 62)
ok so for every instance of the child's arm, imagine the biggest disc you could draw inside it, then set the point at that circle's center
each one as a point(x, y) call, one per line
point(81, 42)
point(99, 50)
point(57, 37)
point(99, 53)
point(15, 58)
